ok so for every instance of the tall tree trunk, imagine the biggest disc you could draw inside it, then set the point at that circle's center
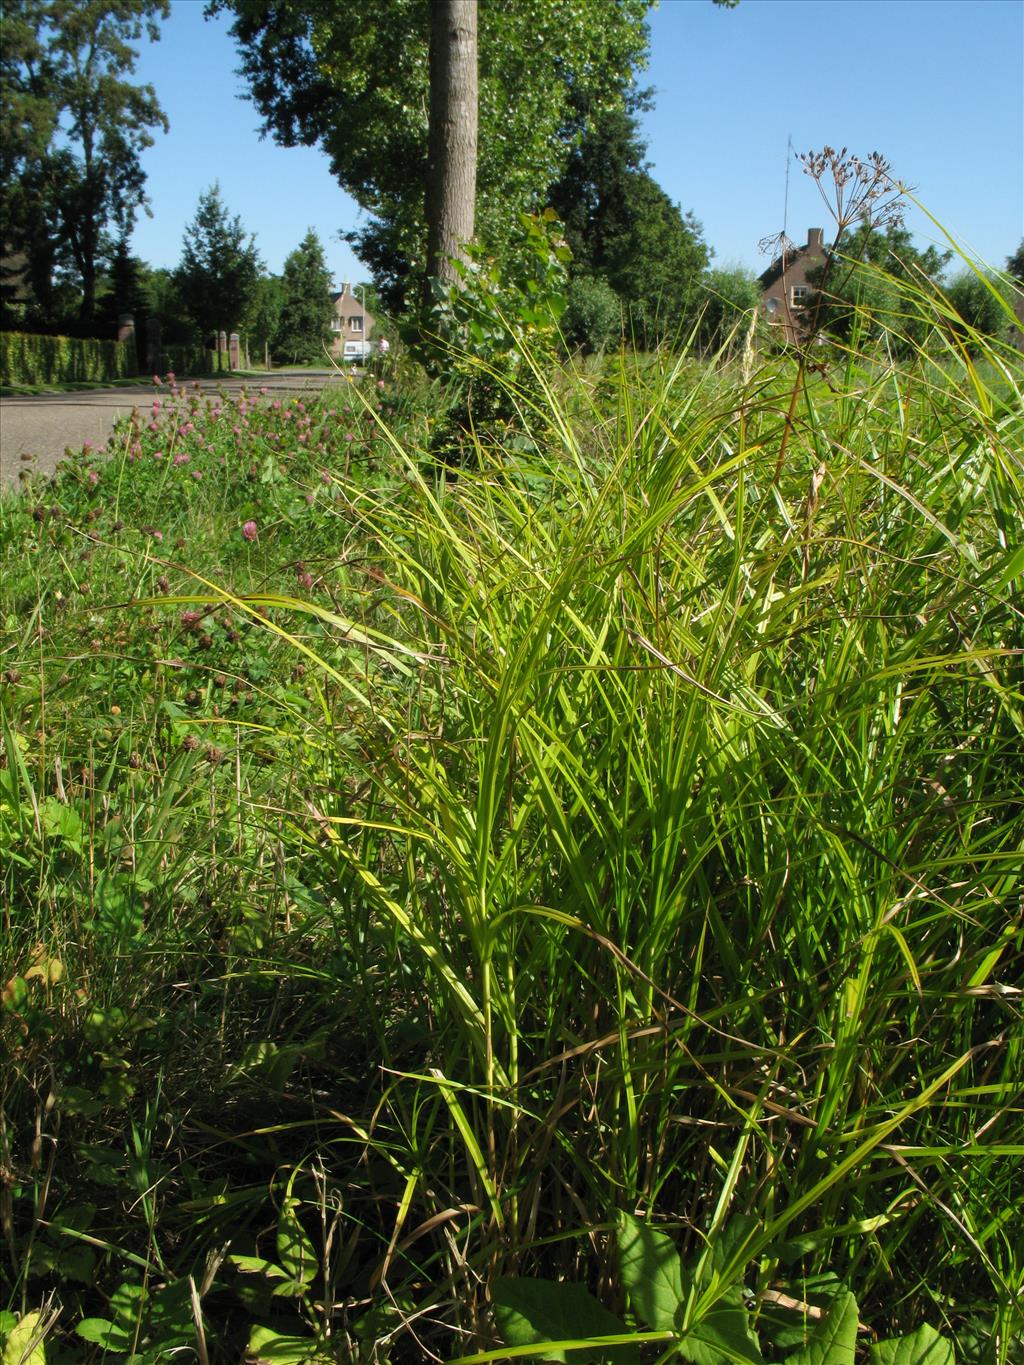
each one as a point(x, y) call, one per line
point(451, 172)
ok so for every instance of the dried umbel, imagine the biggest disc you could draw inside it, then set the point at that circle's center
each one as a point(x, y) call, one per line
point(856, 190)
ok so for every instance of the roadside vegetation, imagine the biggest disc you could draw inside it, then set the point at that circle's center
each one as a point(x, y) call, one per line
point(566, 885)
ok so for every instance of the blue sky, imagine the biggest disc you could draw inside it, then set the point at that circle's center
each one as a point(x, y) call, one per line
point(935, 85)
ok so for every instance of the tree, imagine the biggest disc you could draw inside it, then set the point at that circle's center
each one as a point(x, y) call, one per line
point(871, 282)
point(726, 297)
point(164, 302)
point(73, 130)
point(122, 291)
point(260, 321)
point(983, 303)
point(28, 121)
point(355, 80)
point(1015, 263)
point(304, 326)
point(451, 171)
point(622, 226)
point(219, 268)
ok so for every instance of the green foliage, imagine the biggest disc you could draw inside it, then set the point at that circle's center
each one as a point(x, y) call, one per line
point(408, 881)
point(23, 1343)
point(220, 267)
point(983, 306)
point(356, 84)
point(726, 301)
point(192, 360)
point(261, 319)
point(537, 1312)
point(862, 287)
point(496, 329)
point(74, 130)
point(924, 1347)
point(593, 315)
point(533, 1312)
point(622, 226)
point(50, 360)
point(304, 325)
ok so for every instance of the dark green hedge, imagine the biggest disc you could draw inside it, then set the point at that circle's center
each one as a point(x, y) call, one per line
point(192, 360)
point(26, 359)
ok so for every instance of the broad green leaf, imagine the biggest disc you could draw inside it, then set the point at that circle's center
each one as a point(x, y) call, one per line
point(531, 1312)
point(67, 1262)
point(724, 1335)
point(103, 1333)
point(127, 1304)
point(651, 1272)
point(289, 1289)
point(62, 822)
point(266, 1345)
point(732, 1238)
point(834, 1340)
point(294, 1249)
point(925, 1347)
point(19, 1340)
point(256, 1265)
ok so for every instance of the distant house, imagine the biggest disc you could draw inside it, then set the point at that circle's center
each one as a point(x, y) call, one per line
point(351, 326)
point(785, 290)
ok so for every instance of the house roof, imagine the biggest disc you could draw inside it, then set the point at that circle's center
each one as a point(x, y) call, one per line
point(790, 254)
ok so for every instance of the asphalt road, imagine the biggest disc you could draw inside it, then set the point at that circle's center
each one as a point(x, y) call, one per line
point(36, 431)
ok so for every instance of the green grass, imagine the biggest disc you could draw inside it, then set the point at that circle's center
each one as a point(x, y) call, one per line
point(631, 824)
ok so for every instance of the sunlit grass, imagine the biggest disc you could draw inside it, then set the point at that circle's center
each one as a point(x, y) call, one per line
point(632, 822)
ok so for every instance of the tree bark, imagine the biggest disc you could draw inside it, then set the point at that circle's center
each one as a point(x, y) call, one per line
point(451, 170)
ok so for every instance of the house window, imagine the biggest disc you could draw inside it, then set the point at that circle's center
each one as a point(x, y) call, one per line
point(335, 324)
point(799, 295)
point(356, 324)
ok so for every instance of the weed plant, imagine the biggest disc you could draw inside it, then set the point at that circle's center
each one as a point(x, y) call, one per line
point(625, 834)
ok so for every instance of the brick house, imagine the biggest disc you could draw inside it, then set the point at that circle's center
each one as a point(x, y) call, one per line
point(351, 326)
point(784, 286)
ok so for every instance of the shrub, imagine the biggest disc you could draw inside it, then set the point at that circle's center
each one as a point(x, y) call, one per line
point(593, 317)
point(29, 359)
point(726, 296)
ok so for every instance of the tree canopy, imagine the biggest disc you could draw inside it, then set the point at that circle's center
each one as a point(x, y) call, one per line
point(219, 268)
point(355, 80)
point(304, 325)
point(726, 297)
point(863, 284)
point(622, 227)
point(72, 131)
point(983, 303)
